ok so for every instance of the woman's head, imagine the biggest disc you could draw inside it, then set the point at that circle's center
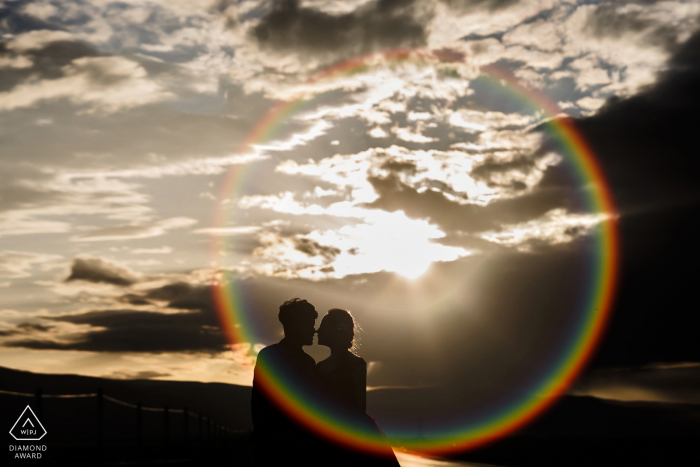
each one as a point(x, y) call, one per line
point(337, 329)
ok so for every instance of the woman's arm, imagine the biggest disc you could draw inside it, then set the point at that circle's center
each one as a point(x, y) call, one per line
point(359, 383)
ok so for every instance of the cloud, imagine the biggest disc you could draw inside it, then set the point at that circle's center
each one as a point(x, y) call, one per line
point(223, 231)
point(33, 202)
point(91, 269)
point(629, 134)
point(292, 256)
point(136, 331)
point(40, 54)
point(480, 4)
point(143, 374)
point(152, 251)
point(471, 190)
point(492, 193)
point(670, 383)
point(380, 243)
point(313, 248)
point(18, 264)
point(186, 321)
point(77, 72)
point(407, 134)
point(651, 22)
point(355, 170)
point(183, 295)
point(34, 327)
point(380, 24)
point(554, 228)
point(132, 232)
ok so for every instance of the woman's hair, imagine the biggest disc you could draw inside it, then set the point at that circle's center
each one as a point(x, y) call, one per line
point(346, 326)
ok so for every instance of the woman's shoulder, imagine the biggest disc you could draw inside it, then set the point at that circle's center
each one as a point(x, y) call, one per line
point(349, 360)
point(356, 361)
point(323, 363)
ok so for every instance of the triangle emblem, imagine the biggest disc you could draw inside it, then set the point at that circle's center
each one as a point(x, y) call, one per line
point(27, 427)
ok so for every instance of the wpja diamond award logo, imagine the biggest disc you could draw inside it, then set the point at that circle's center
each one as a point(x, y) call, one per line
point(28, 428)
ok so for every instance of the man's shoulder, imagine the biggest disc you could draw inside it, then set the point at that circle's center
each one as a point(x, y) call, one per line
point(272, 348)
point(280, 349)
point(268, 352)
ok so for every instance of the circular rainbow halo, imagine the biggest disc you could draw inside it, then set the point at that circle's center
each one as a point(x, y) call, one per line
point(553, 377)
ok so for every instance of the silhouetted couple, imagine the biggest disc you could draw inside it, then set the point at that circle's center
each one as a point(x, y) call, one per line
point(336, 387)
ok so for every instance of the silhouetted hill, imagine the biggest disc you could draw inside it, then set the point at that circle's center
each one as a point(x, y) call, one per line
point(589, 416)
point(226, 404)
point(577, 431)
point(585, 432)
point(570, 416)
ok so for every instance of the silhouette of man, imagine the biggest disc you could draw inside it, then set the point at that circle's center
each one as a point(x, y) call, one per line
point(278, 439)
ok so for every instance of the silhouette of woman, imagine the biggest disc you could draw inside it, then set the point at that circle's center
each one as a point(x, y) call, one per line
point(343, 378)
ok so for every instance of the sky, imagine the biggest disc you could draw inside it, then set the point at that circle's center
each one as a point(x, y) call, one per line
point(417, 193)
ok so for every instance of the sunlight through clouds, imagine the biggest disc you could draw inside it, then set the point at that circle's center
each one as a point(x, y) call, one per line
point(384, 242)
point(555, 227)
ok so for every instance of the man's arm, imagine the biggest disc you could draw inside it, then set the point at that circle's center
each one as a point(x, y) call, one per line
point(259, 405)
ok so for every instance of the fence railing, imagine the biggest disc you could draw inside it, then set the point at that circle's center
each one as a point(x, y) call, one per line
point(207, 428)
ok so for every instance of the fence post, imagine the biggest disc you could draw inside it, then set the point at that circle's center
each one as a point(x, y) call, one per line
point(37, 400)
point(100, 416)
point(166, 423)
point(186, 424)
point(139, 423)
point(200, 428)
point(208, 428)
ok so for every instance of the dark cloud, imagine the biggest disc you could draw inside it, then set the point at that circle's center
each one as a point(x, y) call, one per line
point(99, 270)
point(653, 383)
point(313, 248)
point(128, 330)
point(134, 299)
point(399, 166)
point(379, 25)
point(48, 62)
point(137, 331)
point(26, 328)
point(34, 327)
point(394, 195)
point(647, 146)
point(183, 295)
point(14, 20)
point(479, 4)
point(490, 170)
point(137, 375)
point(613, 19)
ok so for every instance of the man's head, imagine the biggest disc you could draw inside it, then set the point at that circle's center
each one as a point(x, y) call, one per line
point(298, 317)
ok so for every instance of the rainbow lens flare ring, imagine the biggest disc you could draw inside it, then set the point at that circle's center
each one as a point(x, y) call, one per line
point(239, 325)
